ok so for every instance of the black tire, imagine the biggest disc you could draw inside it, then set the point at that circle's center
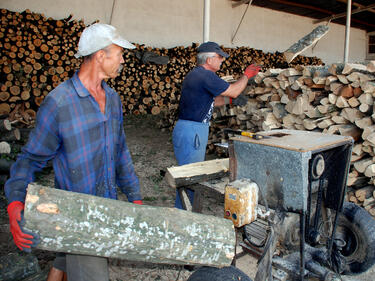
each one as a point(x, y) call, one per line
point(357, 228)
point(229, 273)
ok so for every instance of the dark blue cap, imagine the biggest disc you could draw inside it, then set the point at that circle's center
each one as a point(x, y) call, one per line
point(212, 47)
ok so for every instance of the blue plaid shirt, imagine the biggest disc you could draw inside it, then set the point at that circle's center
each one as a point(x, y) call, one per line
point(88, 148)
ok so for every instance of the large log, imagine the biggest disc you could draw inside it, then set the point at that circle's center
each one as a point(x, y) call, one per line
point(90, 225)
point(197, 172)
point(305, 42)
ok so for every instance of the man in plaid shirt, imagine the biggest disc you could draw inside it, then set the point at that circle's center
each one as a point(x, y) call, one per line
point(80, 128)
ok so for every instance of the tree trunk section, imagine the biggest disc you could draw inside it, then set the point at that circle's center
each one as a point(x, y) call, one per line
point(90, 225)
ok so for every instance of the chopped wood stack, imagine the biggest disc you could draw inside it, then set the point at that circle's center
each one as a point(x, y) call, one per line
point(38, 54)
point(336, 99)
point(364, 197)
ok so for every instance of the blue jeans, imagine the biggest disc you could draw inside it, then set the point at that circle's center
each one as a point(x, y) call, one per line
point(189, 144)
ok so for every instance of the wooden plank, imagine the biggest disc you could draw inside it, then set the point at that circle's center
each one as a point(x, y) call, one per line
point(90, 225)
point(197, 172)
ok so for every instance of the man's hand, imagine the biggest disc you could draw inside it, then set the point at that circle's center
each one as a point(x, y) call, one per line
point(240, 100)
point(251, 70)
point(23, 239)
point(139, 202)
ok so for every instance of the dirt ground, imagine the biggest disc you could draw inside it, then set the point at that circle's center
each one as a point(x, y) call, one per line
point(152, 153)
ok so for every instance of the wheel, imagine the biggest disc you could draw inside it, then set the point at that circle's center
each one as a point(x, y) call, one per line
point(357, 228)
point(229, 273)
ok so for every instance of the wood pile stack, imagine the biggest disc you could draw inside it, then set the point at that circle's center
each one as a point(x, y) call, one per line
point(336, 99)
point(38, 54)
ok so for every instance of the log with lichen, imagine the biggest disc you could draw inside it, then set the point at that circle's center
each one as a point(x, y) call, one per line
point(305, 42)
point(90, 225)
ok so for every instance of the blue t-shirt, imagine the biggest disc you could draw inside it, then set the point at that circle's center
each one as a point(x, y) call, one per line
point(199, 89)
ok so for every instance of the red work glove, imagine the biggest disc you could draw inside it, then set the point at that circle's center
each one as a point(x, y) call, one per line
point(251, 70)
point(139, 202)
point(23, 239)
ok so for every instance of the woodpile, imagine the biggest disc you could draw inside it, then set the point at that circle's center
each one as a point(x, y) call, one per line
point(38, 54)
point(336, 99)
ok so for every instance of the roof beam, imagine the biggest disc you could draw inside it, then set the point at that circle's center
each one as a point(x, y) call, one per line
point(337, 16)
point(356, 5)
point(318, 9)
point(302, 6)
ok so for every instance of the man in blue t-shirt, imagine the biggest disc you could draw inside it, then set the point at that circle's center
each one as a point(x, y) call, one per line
point(202, 89)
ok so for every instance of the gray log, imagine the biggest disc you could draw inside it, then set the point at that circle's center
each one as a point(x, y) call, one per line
point(85, 224)
point(305, 42)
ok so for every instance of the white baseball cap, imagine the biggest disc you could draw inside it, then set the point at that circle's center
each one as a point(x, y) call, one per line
point(98, 36)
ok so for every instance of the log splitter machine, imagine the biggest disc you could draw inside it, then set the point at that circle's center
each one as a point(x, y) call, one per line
point(301, 181)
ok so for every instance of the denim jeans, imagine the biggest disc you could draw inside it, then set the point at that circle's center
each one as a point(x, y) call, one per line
point(189, 144)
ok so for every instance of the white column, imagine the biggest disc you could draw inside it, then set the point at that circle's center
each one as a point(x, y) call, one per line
point(206, 21)
point(347, 30)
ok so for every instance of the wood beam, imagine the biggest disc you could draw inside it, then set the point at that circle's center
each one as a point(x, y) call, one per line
point(197, 172)
point(355, 4)
point(341, 15)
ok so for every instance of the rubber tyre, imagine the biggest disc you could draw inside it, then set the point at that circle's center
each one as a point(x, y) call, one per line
point(228, 273)
point(357, 227)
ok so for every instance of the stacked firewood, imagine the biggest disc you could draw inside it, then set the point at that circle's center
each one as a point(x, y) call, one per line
point(336, 99)
point(38, 54)
point(9, 135)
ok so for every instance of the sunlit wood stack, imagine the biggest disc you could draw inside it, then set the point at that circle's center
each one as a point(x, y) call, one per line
point(336, 99)
point(38, 54)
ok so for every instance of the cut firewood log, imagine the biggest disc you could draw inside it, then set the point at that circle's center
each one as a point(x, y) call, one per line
point(346, 92)
point(305, 42)
point(5, 125)
point(372, 212)
point(364, 122)
point(361, 165)
point(4, 147)
point(91, 225)
point(351, 114)
point(353, 102)
point(197, 172)
point(370, 201)
point(350, 67)
point(341, 102)
point(370, 171)
point(364, 192)
point(350, 130)
point(371, 66)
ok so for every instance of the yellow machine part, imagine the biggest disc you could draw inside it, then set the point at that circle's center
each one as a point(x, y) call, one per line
point(241, 201)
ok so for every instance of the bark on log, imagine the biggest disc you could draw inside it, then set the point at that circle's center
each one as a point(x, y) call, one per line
point(197, 172)
point(305, 42)
point(90, 225)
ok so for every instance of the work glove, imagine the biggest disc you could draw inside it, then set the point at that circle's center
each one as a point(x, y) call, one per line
point(240, 100)
point(139, 202)
point(24, 239)
point(252, 70)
